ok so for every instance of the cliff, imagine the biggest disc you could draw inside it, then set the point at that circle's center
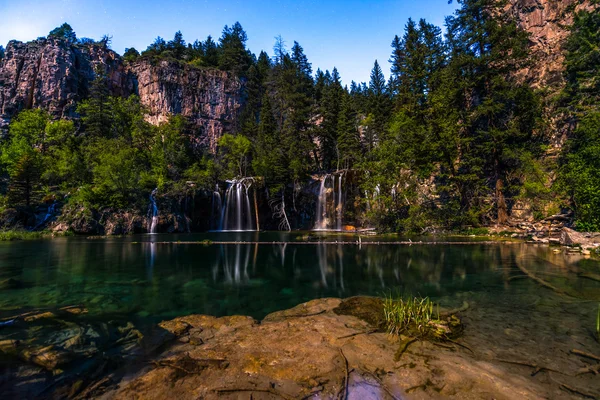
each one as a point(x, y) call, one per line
point(54, 75)
point(209, 98)
point(547, 22)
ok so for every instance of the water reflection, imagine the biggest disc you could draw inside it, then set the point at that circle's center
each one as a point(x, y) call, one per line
point(161, 280)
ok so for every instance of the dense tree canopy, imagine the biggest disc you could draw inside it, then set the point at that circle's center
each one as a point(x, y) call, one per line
point(450, 139)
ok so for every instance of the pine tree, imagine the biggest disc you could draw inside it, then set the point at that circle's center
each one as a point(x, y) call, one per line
point(497, 112)
point(233, 55)
point(25, 187)
point(96, 111)
point(269, 161)
point(177, 46)
point(347, 132)
point(330, 111)
point(578, 173)
point(378, 103)
point(292, 89)
point(211, 52)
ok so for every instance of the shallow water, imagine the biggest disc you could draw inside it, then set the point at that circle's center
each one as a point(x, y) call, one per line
point(139, 279)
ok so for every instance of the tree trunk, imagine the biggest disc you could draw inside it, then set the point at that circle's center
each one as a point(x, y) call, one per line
point(501, 203)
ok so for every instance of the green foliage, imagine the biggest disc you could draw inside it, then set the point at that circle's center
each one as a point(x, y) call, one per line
point(269, 160)
point(14, 235)
point(579, 173)
point(448, 141)
point(233, 55)
point(413, 316)
point(235, 151)
point(64, 32)
point(131, 54)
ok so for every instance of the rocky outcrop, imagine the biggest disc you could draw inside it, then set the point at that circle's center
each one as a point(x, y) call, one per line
point(210, 99)
point(547, 22)
point(54, 75)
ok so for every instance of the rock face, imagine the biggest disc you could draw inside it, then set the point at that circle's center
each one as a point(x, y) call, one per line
point(547, 21)
point(210, 99)
point(53, 75)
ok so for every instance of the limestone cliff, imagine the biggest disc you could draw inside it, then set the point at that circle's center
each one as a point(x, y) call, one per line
point(54, 75)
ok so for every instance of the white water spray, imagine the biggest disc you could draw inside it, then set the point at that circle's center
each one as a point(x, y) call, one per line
point(236, 213)
point(153, 211)
point(330, 204)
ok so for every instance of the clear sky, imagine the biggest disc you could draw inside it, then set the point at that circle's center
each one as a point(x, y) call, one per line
point(348, 34)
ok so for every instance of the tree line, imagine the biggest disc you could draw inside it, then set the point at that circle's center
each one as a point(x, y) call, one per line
point(452, 138)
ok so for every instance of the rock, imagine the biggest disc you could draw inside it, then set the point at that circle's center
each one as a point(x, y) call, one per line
point(368, 309)
point(54, 75)
point(569, 237)
point(302, 353)
point(210, 98)
point(547, 22)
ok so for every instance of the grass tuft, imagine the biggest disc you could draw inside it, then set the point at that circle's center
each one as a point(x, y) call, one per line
point(414, 316)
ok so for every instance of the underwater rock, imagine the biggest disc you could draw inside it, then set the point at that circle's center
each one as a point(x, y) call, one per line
point(368, 309)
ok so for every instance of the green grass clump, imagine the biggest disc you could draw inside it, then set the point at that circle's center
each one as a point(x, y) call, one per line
point(9, 236)
point(476, 232)
point(415, 319)
point(414, 316)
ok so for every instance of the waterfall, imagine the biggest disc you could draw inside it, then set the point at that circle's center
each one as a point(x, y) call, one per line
point(236, 213)
point(217, 207)
point(153, 211)
point(340, 204)
point(330, 204)
point(47, 217)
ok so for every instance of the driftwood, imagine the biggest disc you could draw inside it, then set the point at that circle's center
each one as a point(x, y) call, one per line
point(588, 275)
point(590, 369)
point(303, 315)
point(537, 368)
point(405, 347)
point(191, 366)
point(577, 391)
point(586, 355)
point(542, 282)
point(358, 333)
point(347, 375)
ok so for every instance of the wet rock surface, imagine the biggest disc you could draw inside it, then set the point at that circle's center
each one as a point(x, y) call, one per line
point(315, 350)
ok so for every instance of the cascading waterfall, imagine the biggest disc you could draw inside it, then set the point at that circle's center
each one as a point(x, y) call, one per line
point(153, 211)
point(330, 204)
point(47, 217)
point(236, 214)
point(217, 206)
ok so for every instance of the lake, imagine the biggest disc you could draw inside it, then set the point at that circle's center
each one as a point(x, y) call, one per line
point(149, 278)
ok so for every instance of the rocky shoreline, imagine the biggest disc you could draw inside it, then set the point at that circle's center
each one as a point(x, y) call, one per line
point(324, 349)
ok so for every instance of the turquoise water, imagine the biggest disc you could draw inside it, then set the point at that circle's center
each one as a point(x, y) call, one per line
point(139, 279)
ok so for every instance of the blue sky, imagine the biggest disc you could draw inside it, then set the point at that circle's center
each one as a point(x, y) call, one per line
point(348, 34)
